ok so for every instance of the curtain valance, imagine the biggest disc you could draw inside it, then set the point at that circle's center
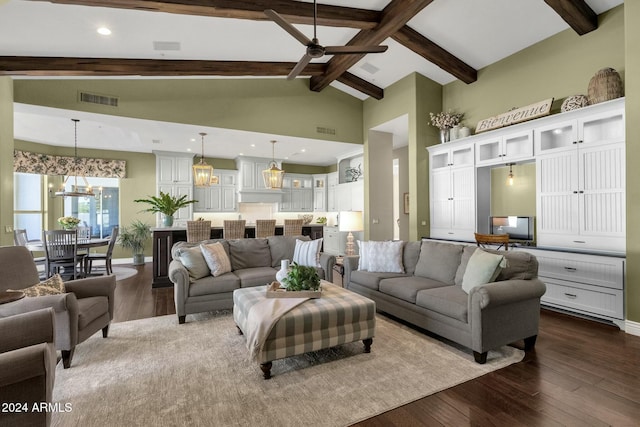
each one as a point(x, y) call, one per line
point(46, 164)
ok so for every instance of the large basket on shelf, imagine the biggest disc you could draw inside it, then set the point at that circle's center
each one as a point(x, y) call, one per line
point(605, 85)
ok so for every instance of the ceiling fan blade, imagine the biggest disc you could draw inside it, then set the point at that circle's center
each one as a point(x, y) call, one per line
point(304, 61)
point(275, 17)
point(342, 50)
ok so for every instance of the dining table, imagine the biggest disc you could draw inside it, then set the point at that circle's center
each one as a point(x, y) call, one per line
point(38, 246)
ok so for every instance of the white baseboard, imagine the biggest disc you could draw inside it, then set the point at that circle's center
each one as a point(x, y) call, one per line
point(129, 260)
point(632, 328)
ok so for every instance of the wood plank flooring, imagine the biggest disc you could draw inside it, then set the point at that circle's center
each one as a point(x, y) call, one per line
point(581, 373)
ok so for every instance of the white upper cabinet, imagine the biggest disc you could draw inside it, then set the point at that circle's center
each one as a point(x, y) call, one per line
point(220, 196)
point(506, 148)
point(451, 155)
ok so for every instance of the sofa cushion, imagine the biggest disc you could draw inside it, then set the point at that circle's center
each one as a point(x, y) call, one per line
point(283, 247)
point(307, 253)
point(249, 253)
point(216, 258)
point(214, 285)
point(439, 261)
point(406, 288)
point(255, 276)
point(483, 267)
point(382, 257)
point(371, 280)
point(450, 301)
point(193, 260)
point(89, 309)
point(520, 265)
point(410, 256)
point(464, 260)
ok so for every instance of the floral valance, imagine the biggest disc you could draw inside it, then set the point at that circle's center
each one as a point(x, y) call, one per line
point(46, 164)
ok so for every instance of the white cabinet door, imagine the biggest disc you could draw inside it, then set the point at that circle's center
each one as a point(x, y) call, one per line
point(507, 148)
point(440, 200)
point(165, 169)
point(228, 199)
point(183, 170)
point(357, 195)
point(463, 203)
point(343, 197)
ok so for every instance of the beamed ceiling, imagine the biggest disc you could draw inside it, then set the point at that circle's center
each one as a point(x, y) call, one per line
point(373, 27)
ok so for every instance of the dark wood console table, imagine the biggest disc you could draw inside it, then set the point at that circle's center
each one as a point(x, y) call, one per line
point(164, 239)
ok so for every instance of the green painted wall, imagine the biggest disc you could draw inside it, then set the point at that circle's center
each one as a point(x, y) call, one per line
point(632, 102)
point(519, 199)
point(308, 169)
point(6, 160)
point(274, 106)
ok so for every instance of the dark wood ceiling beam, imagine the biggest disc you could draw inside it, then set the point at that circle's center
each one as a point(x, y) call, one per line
point(433, 53)
point(576, 13)
point(394, 16)
point(62, 66)
point(361, 85)
point(294, 11)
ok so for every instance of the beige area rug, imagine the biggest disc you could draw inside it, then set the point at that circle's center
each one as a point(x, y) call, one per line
point(156, 372)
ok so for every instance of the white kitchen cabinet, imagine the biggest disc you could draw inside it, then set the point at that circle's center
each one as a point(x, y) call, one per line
point(584, 283)
point(219, 197)
point(335, 241)
point(297, 193)
point(452, 192)
point(250, 173)
point(174, 177)
point(349, 196)
point(332, 184)
point(580, 174)
point(508, 148)
point(320, 193)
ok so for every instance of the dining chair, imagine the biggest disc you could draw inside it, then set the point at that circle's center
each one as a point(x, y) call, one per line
point(293, 227)
point(106, 257)
point(490, 240)
point(20, 239)
point(233, 229)
point(265, 228)
point(61, 252)
point(197, 231)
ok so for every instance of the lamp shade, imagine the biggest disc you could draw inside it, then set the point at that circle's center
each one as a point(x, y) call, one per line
point(351, 221)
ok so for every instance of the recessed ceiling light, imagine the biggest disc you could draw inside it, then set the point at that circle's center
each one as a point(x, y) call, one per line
point(253, 145)
point(240, 154)
point(304, 150)
point(104, 31)
point(189, 149)
point(193, 140)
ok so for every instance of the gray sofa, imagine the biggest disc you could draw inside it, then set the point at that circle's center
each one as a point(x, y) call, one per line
point(254, 262)
point(429, 295)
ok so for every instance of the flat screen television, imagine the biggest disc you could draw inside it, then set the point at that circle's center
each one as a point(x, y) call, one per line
point(517, 227)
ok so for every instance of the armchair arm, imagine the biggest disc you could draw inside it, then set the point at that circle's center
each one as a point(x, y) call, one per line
point(27, 329)
point(327, 261)
point(506, 292)
point(350, 264)
point(94, 287)
point(28, 362)
point(179, 276)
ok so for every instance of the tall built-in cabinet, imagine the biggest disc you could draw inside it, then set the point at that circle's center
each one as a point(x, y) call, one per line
point(219, 196)
point(298, 193)
point(320, 192)
point(174, 177)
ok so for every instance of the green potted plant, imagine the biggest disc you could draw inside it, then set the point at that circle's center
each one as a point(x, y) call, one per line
point(165, 204)
point(301, 278)
point(134, 237)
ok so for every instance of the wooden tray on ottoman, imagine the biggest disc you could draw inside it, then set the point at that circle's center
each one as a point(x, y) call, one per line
point(275, 291)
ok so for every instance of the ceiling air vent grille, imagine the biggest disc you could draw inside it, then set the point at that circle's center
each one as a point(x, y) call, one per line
point(325, 130)
point(93, 98)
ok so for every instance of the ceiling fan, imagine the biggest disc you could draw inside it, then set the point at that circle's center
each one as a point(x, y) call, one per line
point(314, 48)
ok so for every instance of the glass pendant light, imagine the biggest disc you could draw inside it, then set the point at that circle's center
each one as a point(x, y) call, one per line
point(510, 176)
point(273, 176)
point(76, 190)
point(202, 172)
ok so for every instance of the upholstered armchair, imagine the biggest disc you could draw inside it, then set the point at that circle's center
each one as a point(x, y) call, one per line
point(86, 308)
point(27, 366)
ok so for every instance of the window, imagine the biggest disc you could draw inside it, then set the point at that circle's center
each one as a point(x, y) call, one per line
point(28, 204)
point(100, 212)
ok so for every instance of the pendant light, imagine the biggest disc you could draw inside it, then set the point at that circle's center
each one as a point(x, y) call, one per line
point(76, 191)
point(510, 176)
point(273, 176)
point(202, 172)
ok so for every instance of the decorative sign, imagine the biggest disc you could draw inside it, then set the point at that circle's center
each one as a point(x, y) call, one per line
point(517, 115)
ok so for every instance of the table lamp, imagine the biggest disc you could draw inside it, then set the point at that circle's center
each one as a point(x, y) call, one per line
point(350, 221)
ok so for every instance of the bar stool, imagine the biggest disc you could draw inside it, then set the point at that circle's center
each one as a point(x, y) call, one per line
point(197, 231)
point(293, 227)
point(265, 228)
point(233, 229)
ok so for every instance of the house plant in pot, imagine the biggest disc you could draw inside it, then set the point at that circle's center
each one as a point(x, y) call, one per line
point(134, 237)
point(165, 204)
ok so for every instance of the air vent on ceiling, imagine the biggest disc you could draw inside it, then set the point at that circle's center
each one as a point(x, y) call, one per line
point(94, 98)
point(157, 45)
point(325, 130)
point(369, 68)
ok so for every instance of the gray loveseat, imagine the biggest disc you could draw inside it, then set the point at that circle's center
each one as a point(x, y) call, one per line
point(254, 262)
point(429, 295)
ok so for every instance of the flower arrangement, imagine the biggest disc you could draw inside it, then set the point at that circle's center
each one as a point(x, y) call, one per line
point(68, 222)
point(444, 120)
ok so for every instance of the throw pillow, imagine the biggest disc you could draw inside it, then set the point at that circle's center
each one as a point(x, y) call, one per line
point(216, 258)
point(363, 252)
point(54, 285)
point(193, 260)
point(483, 267)
point(384, 257)
point(307, 253)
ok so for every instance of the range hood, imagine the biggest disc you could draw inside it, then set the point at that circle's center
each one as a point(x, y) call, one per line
point(260, 196)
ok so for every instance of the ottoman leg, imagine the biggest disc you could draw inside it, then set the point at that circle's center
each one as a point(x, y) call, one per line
point(266, 370)
point(367, 344)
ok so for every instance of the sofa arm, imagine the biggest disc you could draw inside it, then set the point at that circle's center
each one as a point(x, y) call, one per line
point(506, 292)
point(179, 276)
point(37, 360)
point(350, 264)
point(94, 287)
point(27, 329)
point(327, 261)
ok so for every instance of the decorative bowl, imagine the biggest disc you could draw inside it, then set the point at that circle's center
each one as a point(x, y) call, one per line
point(306, 218)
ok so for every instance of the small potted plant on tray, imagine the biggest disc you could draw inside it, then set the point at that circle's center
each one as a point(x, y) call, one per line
point(301, 282)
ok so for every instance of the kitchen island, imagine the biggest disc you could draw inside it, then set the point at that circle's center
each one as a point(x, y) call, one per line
point(165, 237)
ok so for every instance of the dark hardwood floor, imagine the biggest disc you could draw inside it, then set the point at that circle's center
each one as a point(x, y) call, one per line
point(581, 373)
